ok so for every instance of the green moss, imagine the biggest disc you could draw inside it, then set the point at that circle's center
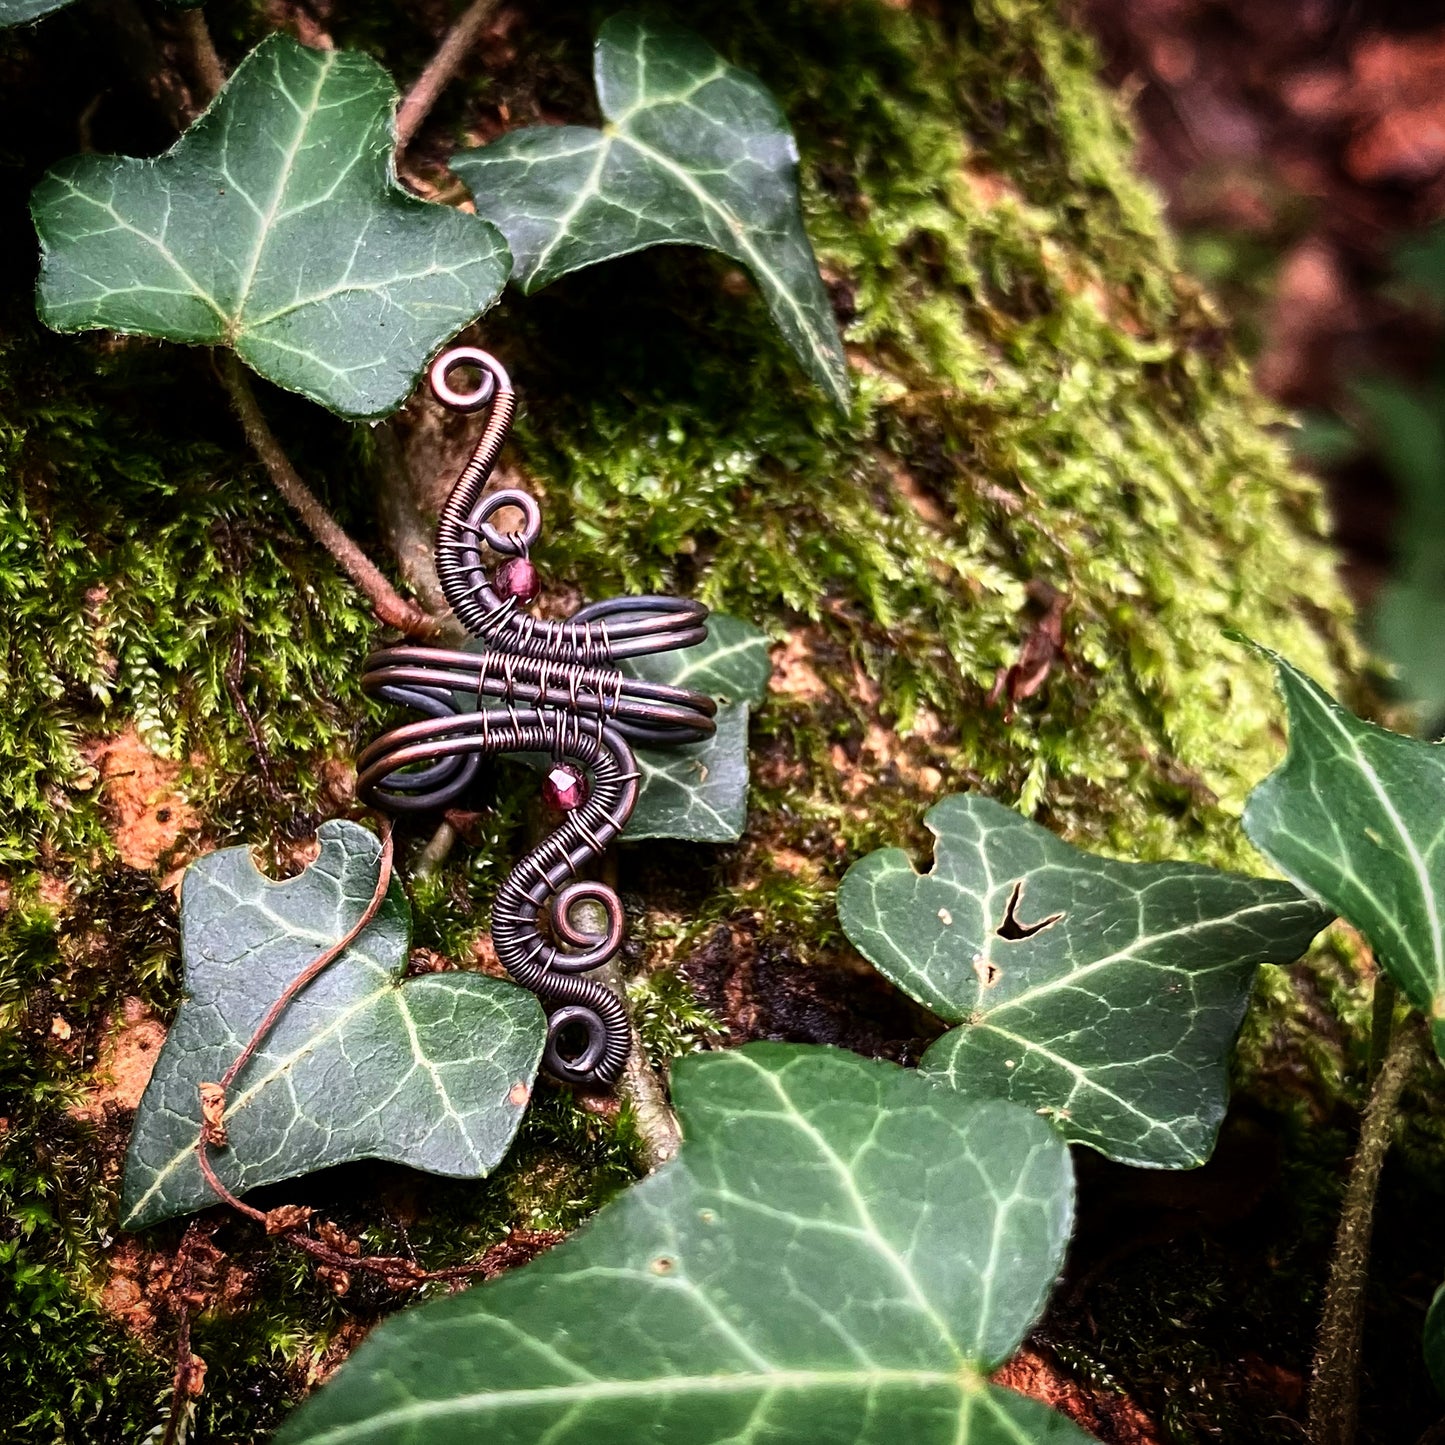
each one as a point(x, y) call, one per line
point(64, 1367)
point(153, 581)
point(1057, 394)
point(1042, 397)
point(668, 1017)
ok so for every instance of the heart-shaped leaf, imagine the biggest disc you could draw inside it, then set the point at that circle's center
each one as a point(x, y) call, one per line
point(1434, 1340)
point(19, 12)
point(364, 1063)
point(1105, 995)
point(1356, 815)
point(1409, 616)
point(840, 1252)
point(274, 225)
point(730, 664)
point(699, 792)
point(695, 151)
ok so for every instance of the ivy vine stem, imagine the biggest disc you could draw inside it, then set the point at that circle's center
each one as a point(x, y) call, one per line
point(1335, 1379)
point(440, 69)
point(390, 606)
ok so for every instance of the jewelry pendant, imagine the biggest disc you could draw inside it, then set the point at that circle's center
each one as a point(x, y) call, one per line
point(541, 686)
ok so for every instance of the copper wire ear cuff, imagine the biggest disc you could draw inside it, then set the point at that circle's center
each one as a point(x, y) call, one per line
point(534, 685)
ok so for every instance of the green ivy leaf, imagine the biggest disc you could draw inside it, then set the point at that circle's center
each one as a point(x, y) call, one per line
point(841, 1251)
point(1434, 1341)
point(274, 225)
point(1356, 815)
point(695, 151)
point(433, 1072)
point(1105, 995)
point(699, 792)
point(1409, 617)
point(21, 12)
point(731, 664)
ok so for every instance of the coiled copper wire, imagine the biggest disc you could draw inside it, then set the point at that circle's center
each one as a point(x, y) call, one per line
point(533, 685)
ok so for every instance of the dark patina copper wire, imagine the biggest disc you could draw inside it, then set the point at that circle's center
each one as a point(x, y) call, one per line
point(534, 685)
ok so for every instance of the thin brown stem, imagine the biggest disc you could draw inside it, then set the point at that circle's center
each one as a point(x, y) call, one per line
point(396, 1271)
point(189, 1371)
point(1335, 1382)
point(235, 675)
point(321, 962)
point(440, 69)
point(336, 1253)
point(393, 609)
point(207, 71)
point(213, 1102)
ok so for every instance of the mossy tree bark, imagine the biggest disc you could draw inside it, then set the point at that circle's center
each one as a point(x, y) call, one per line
point(1046, 405)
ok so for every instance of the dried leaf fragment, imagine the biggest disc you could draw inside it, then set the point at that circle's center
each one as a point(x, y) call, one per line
point(334, 1237)
point(286, 1217)
point(213, 1116)
point(191, 1377)
point(338, 1281)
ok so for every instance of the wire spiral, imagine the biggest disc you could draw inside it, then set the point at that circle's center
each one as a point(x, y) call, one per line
point(534, 685)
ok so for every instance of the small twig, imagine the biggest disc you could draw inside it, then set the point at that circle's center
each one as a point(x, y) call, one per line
point(1335, 1380)
point(393, 609)
point(440, 69)
point(321, 962)
point(206, 67)
point(434, 854)
point(190, 1371)
point(400, 1272)
point(657, 1127)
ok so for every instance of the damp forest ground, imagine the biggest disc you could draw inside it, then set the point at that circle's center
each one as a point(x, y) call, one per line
point(1048, 406)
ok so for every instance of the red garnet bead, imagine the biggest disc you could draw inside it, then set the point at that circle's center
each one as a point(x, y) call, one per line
point(564, 788)
point(518, 578)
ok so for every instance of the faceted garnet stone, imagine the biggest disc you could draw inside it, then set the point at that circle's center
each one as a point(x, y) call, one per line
point(518, 578)
point(564, 787)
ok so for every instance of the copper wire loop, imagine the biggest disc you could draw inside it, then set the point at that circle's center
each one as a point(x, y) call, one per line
point(533, 685)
